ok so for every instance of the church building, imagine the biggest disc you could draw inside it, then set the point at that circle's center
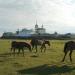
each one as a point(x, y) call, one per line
point(39, 30)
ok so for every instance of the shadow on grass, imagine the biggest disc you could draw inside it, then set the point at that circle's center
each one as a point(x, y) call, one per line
point(4, 54)
point(46, 70)
point(4, 57)
point(9, 54)
point(34, 56)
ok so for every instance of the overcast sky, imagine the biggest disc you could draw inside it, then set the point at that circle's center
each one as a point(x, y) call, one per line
point(55, 15)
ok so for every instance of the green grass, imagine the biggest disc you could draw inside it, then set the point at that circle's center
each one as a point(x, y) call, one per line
point(48, 63)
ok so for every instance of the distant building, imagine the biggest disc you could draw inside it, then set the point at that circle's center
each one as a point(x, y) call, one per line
point(24, 32)
point(28, 32)
point(39, 30)
point(8, 34)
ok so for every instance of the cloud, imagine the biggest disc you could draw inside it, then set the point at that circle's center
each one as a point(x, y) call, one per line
point(24, 13)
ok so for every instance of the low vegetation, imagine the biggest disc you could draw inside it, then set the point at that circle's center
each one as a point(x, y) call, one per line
point(48, 63)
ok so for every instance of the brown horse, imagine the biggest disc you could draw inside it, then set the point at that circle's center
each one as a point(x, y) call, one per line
point(69, 46)
point(20, 46)
point(35, 42)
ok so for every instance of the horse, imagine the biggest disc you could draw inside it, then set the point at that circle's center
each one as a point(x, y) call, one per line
point(20, 46)
point(35, 42)
point(43, 45)
point(69, 46)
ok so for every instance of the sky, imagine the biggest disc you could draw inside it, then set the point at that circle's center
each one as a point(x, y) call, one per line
point(55, 15)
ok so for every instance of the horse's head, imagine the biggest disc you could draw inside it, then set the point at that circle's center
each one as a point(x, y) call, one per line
point(47, 42)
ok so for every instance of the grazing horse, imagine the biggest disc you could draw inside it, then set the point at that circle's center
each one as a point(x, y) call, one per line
point(35, 42)
point(20, 46)
point(69, 46)
point(43, 45)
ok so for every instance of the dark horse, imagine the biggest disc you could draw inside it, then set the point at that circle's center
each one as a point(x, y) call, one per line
point(20, 46)
point(35, 42)
point(69, 46)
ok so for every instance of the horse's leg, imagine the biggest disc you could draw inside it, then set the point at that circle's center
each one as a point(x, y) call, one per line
point(70, 54)
point(14, 51)
point(23, 51)
point(41, 48)
point(64, 56)
point(49, 44)
point(18, 51)
point(32, 47)
point(44, 48)
point(36, 47)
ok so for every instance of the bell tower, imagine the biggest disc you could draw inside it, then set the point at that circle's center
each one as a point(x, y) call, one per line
point(36, 27)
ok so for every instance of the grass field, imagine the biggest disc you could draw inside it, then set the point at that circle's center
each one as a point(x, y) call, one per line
point(48, 63)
